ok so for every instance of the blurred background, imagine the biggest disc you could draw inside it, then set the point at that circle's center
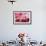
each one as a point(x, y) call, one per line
point(37, 30)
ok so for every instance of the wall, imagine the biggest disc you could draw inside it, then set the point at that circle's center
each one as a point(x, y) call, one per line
point(9, 31)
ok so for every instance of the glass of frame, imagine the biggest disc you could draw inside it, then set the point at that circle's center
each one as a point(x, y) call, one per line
point(22, 17)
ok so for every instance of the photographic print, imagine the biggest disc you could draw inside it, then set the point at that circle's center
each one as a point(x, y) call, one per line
point(22, 17)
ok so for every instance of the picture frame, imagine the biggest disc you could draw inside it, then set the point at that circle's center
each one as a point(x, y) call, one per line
point(22, 17)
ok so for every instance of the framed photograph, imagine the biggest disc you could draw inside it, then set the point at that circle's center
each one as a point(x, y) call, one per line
point(22, 17)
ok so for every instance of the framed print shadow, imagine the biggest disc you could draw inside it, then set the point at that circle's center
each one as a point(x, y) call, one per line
point(22, 17)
